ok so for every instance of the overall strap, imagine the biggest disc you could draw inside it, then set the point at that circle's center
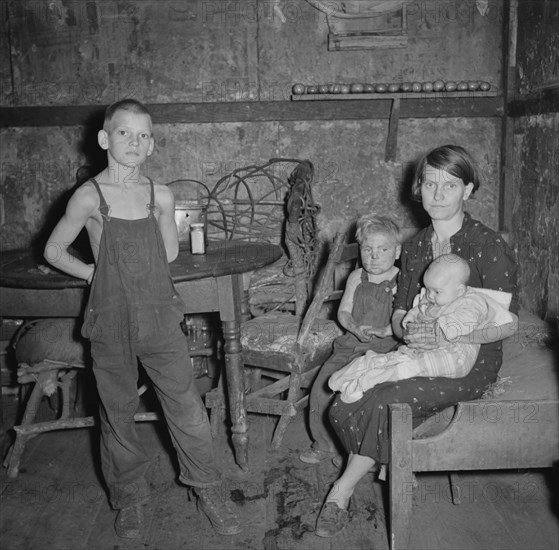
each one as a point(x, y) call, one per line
point(151, 206)
point(104, 208)
point(364, 276)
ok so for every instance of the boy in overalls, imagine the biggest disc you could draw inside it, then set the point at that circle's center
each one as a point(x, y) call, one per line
point(134, 312)
point(364, 312)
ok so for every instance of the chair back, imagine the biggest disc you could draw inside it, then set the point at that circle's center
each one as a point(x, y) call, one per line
point(326, 290)
point(272, 202)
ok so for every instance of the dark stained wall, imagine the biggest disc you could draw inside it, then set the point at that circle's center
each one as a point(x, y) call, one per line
point(70, 52)
point(536, 160)
point(66, 52)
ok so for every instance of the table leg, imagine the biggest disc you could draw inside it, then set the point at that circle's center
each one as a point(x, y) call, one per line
point(231, 296)
point(235, 390)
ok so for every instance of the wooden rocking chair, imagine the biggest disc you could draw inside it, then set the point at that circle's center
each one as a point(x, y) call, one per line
point(288, 350)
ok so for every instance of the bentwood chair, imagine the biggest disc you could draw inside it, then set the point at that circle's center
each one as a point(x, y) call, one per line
point(271, 202)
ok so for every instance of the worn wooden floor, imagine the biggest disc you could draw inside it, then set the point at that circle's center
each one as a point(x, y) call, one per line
point(58, 501)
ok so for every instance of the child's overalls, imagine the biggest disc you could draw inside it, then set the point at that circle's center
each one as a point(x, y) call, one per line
point(372, 306)
point(134, 313)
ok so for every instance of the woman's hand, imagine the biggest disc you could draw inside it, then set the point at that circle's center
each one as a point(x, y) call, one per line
point(422, 335)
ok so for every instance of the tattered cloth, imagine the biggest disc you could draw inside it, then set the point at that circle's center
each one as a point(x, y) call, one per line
point(47, 347)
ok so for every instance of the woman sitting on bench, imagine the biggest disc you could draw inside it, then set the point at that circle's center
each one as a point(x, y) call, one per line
point(444, 180)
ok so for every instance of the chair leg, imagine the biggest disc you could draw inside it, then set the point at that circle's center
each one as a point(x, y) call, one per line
point(13, 458)
point(253, 378)
point(283, 422)
point(455, 490)
point(64, 385)
point(279, 432)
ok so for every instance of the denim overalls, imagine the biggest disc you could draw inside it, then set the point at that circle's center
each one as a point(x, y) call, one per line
point(134, 313)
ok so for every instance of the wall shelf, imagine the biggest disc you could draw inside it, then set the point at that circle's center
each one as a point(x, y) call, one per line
point(337, 107)
point(400, 95)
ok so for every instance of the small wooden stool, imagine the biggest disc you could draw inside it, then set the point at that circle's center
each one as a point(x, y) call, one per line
point(50, 353)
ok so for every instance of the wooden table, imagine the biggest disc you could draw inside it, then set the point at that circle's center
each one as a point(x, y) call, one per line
point(208, 283)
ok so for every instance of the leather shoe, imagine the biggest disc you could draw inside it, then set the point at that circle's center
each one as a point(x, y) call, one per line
point(129, 522)
point(219, 512)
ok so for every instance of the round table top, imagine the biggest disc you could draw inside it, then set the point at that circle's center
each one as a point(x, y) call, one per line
point(24, 269)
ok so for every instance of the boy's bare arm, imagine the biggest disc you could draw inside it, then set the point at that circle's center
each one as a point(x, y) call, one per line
point(167, 225)
point(79, 209)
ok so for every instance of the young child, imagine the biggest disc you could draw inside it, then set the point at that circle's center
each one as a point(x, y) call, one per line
point(134, 313)
point(364, 311)
point(457, 310)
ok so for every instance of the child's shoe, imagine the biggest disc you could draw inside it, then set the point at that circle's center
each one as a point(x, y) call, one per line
point(219, 512)
point(129, 522)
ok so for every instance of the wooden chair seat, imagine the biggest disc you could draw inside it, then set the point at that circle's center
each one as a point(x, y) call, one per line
point(275, 334)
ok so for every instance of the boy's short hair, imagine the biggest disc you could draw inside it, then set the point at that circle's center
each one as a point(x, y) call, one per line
point(132, 105)
point(371, 223)
point(452, 159)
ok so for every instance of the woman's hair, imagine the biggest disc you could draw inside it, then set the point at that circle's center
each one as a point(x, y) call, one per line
point(371, 223)
point(131, 105)
point(452, 159)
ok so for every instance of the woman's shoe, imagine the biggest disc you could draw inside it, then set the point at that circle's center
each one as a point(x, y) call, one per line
point(331, 520)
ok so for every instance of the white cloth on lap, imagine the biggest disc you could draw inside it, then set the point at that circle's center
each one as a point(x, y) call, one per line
point(476, 309)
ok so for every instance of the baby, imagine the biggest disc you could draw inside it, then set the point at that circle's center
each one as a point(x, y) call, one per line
point(456, 311)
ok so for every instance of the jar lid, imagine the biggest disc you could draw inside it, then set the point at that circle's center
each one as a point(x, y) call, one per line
point(198, 225)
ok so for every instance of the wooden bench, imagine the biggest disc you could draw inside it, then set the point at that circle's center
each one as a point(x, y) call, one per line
point(515, 425)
